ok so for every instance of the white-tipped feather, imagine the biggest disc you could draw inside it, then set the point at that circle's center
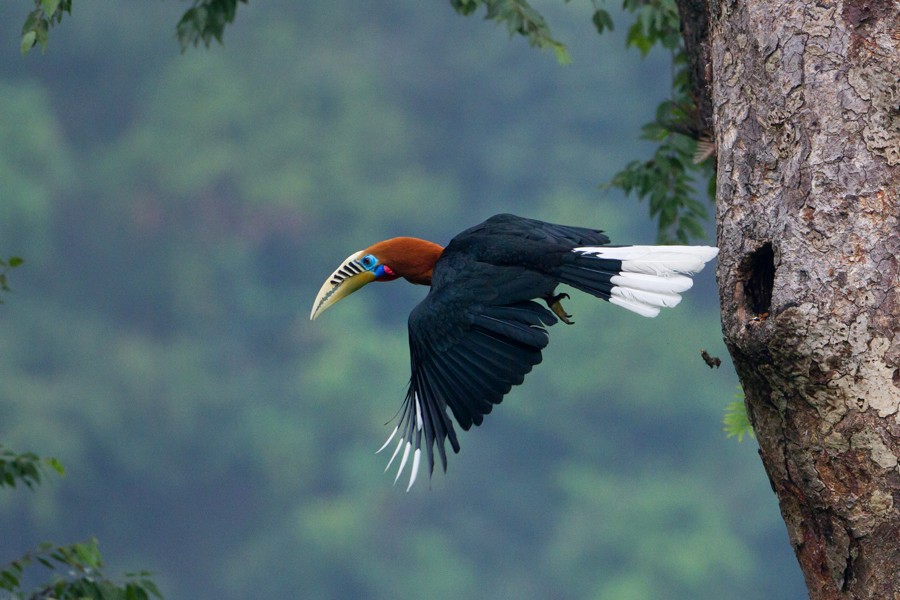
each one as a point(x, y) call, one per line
point(415, 468)
point(661, 261)
point(418, 413)
point(657, 299)
point(388, 441)
point(394, 455)
point(417, 455)
point(403, 460)
point(651, 283)
point(644, 310)
point(651, 277)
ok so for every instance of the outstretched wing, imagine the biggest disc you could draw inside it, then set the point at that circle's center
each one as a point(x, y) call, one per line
point(469, 344)
point(548, 234)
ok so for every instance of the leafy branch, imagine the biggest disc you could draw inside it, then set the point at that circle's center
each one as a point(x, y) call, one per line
point(77, 568)
point(84, 578)
point(656, 22)
point(37, 25)
point(667, 180)
point(520, 19)
point(205, 22)
point(26, 468)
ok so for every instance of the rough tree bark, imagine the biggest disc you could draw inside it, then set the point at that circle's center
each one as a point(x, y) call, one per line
point(805, 101)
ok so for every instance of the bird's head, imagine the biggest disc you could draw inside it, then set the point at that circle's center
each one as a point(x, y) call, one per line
point(410, 258)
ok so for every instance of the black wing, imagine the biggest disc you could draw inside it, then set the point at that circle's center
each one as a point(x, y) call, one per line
point(547, 235)
point(471, 339)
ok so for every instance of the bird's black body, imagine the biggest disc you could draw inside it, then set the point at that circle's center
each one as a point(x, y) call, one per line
point(480, 329)
point(478, 332)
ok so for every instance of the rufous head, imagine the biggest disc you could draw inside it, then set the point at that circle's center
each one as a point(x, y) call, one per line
point(410, 258)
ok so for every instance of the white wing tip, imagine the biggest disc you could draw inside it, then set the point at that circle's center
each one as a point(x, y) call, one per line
point(417, 455)
point(415, 468)
point(403, 460)
point(651, 277)
point(388, 441)
point(645, 310)
point(394, 455)
point(656, 260)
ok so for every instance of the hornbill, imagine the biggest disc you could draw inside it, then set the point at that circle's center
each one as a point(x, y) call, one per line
point(479, 330)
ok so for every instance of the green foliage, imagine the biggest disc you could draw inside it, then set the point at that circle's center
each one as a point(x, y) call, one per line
point(736, 421)
point(205, 22)
point(656, 22)
point(6, 265)
point(25, 468)
point(667, 180)
point(601, 18)
point(77, 575)
point(76, 568)
point(520, 19)
point(46, 14)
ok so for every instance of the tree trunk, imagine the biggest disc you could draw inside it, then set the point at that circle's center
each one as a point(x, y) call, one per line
point(806, 107)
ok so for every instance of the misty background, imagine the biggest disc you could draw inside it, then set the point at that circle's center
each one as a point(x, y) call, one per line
point(178, 213)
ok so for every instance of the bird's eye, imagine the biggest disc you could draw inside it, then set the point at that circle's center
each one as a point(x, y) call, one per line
point(368, 262)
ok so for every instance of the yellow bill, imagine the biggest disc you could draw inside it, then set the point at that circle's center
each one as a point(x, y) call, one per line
point(345, 280)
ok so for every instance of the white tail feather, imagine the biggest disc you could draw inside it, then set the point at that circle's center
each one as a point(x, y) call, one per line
point(674, 284)
point(415, 468)
point(393, 433)
point(657, 299)
point(651, 277)
point(644, 310)
point(394, 455)
point(403, 460)
point(662, 261)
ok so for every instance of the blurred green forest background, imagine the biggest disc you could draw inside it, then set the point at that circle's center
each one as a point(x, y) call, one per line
point(178, 213)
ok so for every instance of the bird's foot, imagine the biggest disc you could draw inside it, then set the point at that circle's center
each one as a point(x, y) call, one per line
point(555, 304)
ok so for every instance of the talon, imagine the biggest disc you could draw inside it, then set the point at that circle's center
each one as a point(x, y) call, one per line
point(555, 304)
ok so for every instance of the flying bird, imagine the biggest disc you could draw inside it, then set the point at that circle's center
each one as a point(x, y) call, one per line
point(480, 330)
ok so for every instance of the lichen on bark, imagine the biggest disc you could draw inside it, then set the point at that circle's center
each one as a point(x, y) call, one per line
point(807, 118)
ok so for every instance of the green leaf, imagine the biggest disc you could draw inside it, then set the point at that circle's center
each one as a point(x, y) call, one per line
point(42, 32)
point(205, 22)
point(8, 581)
point(54, 464)
point(736, 422)
point(562, 54)
point(31, 20)
point(464, 7)
point(49, 7)
point(89, 554)
point(28, 40)
point(602, 20)
point(636, 38)
point(520, 19)
point(15, 261)
point(150, 586)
